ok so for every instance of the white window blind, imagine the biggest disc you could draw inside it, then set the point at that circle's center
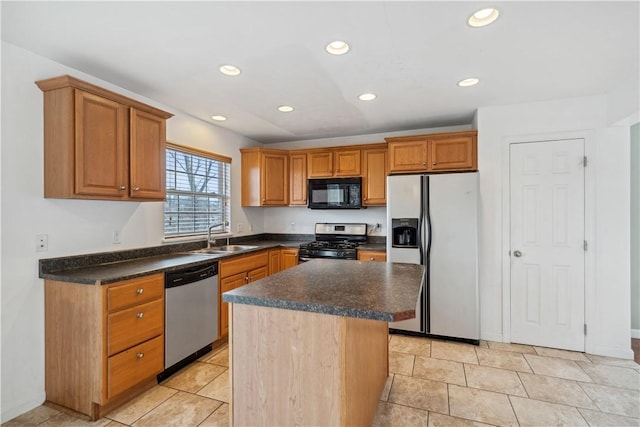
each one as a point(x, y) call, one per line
point(198, 192)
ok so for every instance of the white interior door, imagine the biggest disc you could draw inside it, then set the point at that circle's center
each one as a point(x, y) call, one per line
point(547, 243)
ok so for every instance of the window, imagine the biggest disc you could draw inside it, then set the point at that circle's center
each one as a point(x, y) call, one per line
point(198, 192)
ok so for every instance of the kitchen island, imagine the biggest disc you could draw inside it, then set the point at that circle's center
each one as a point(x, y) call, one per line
point(309, 346)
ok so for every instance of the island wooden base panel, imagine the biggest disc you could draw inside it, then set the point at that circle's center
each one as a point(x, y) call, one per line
point(300, 368)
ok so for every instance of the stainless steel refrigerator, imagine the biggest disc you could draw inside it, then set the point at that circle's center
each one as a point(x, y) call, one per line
point(433, 221)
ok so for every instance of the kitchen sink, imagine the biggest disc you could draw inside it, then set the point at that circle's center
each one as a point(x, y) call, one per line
point(226, 248)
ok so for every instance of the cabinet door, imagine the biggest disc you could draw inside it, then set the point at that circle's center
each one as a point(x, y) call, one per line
point(347, 162)
point(146, 153)
point(101, 156)
point(257, 274)
point(372, 256)
point(289, 258)
point(320, 164)
point(374, 181)
point(408, 156)
point(228, 284)
point(275, 180)
point(298, 179)
point(453, 153)
point(274, 261)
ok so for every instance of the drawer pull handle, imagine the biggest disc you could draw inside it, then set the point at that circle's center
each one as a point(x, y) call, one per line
point(136, 188)
point(122, 187)
point(140, 355)
point(140, 291)
point(141, 315)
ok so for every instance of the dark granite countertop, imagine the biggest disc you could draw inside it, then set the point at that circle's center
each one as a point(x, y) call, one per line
point(369, 290)
point(373, 247)
point(110, 267)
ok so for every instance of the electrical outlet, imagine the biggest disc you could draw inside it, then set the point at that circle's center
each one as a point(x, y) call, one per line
point(42, 242)
point(240, 227)
point(116, 238)
point(378, 226)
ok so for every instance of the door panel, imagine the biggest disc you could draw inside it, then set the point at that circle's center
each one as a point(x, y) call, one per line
point(547, 243)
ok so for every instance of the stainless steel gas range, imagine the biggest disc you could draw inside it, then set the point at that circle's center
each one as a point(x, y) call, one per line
point(336, 241)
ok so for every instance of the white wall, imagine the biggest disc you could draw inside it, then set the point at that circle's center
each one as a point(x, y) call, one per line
point(608, 316)
point(73, 226)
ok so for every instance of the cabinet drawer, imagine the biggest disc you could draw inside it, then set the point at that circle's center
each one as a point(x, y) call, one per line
point(244, 264)
point(372, 256)
point(134, 325)
point(135, 291)
point(130, 367)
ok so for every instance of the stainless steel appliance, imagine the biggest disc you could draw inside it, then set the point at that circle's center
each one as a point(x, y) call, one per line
point(335, 193)
point(191, 315)
point(433, 221)
point(337, 241)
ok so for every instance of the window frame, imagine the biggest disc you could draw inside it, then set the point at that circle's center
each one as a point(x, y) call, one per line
point(224, 196)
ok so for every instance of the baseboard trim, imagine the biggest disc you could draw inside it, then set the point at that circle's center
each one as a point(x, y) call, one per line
point(9, 413)
point(635, 333)
point(488, 336)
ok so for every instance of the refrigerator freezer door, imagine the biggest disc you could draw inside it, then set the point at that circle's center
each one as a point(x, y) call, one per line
point(453, 261)
point(405, 201)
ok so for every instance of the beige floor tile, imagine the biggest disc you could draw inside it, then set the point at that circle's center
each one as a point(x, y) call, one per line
point(615, 376)
point(182, 409)
point(494, 379)
point(483, 344)
point(139, 406)
point(614, 400)
point(419, 393)
point(387, 388)
point(220, 357)
point(601, 419)
point(115, 424)
point(464, 353)
point(194, 377)
point(502, 359)
point(480, 405)
point(391, 415)
point(556, 390)
point(561, 354)
point(401, 363)
point(613, 361)
point(218, 389)
point(440, 420)
point(537, 413)
point(411, 345)
point(560, 368)
point(517, 348)
point(64, 420)
point(439, 370)
point(220, 417)
point(36, 416)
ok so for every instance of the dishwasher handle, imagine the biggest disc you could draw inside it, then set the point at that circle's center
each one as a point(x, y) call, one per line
point(189, 275)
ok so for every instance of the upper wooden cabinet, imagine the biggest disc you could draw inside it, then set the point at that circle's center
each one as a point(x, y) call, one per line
point(374, 177)
point(443, 152)
point(101, 145)
point(333, 162)
point(265, 177)
point(298, 178)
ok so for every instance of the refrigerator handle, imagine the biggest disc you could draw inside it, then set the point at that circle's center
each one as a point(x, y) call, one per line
point(426, 249)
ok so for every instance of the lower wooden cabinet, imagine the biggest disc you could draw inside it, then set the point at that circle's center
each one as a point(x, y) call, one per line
point(372, 256)
point(289, 258)
point(102, 343)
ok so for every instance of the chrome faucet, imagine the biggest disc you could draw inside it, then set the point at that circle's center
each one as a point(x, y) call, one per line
point(211, 227)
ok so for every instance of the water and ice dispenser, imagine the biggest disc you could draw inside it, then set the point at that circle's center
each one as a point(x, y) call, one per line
point(405, 232)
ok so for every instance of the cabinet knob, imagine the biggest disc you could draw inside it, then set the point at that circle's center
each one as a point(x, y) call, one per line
point(141, 315)
point(365, 199)
point(140, 355)
point(424, 163)
point(372, 259)
point(140, 291)
point(122, 187)
point(136, 188)
point(434, 163)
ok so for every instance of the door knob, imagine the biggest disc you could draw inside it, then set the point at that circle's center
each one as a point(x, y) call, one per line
point(517, 254)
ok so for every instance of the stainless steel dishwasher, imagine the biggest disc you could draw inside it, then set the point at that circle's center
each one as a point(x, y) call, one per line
point(191, 315)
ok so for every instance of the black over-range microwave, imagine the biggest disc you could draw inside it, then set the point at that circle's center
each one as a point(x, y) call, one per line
point(335, 193)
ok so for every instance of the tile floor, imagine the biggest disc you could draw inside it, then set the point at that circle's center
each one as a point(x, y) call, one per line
point(431, 383)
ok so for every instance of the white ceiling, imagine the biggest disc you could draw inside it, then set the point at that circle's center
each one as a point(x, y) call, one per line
point(411, 54)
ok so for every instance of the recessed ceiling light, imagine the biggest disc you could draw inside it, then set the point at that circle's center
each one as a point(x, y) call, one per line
point(367, 97)
point(337, 47)
point(230, 70)
point(468, 82)
point(219, 118)
point(483, 17)
point(285, 108)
